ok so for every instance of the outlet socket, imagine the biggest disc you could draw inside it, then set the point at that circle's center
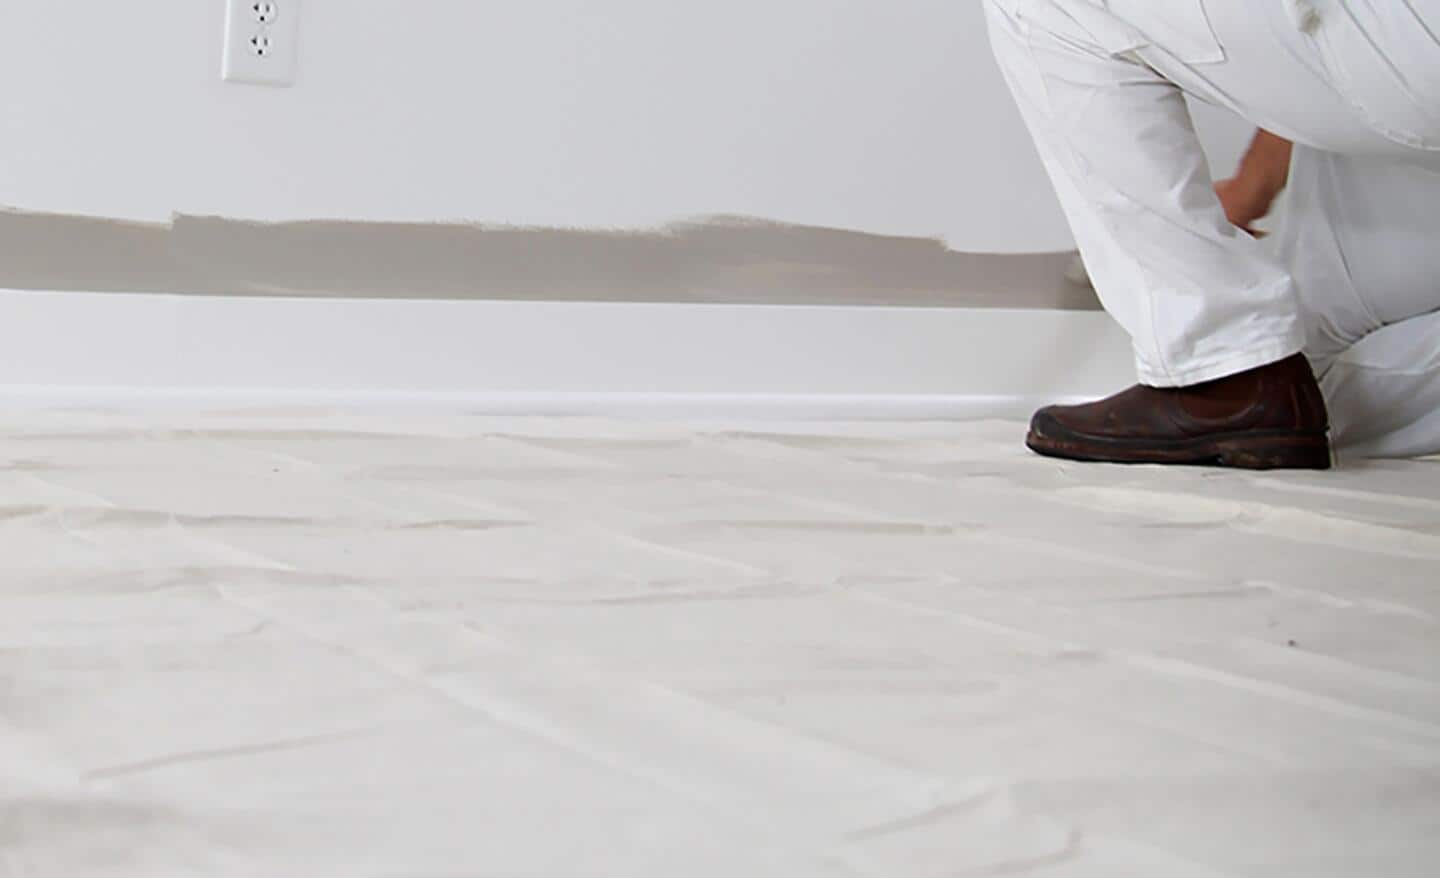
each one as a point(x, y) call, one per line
point(261, 42)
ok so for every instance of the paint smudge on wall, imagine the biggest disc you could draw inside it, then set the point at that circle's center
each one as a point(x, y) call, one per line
point(709, 260)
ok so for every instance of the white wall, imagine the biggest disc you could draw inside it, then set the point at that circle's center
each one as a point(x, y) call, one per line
point(869, 114)
point(877, 115)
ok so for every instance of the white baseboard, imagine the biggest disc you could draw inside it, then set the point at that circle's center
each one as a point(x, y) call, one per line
point(104, 349)
point(650, 406)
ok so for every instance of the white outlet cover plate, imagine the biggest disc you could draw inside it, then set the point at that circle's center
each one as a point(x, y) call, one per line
point(244, 24)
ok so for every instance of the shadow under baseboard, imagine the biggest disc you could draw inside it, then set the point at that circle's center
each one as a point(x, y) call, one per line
point(718, 260)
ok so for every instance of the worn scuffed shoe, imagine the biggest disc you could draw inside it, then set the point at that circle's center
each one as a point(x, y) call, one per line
point(1272, 417)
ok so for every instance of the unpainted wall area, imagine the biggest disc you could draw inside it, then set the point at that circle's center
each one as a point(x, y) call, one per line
point(884, 116)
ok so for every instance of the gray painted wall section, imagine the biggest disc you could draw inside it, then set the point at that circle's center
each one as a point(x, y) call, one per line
point(712, 260)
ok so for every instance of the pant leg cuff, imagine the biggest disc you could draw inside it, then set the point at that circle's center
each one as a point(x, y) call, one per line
point(1229, 365)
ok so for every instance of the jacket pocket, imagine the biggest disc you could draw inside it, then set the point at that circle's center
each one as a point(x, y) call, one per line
point(1180, 27)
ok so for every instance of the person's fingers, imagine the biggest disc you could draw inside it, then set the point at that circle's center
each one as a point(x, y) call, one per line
point(1230, 198)
point(1243, 205)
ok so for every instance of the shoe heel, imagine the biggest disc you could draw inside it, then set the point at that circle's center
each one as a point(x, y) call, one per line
point(1276, 452)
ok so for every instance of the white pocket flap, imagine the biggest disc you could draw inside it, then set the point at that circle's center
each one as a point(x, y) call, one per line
point(1180, 27)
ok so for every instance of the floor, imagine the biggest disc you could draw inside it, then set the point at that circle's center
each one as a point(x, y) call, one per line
point(321, 644)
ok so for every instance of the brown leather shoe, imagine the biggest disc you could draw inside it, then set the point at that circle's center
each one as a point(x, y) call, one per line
point(1272, 417)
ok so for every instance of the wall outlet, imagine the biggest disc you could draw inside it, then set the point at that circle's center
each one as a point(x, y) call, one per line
point(261, 41)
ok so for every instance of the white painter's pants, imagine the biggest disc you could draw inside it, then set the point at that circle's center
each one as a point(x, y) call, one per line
point(1353, 278)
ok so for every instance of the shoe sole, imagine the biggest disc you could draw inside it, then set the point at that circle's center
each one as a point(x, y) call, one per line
point(1254, 450)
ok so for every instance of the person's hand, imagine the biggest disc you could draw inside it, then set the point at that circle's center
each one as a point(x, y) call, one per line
point(1245, 201)
point(1264, 172)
